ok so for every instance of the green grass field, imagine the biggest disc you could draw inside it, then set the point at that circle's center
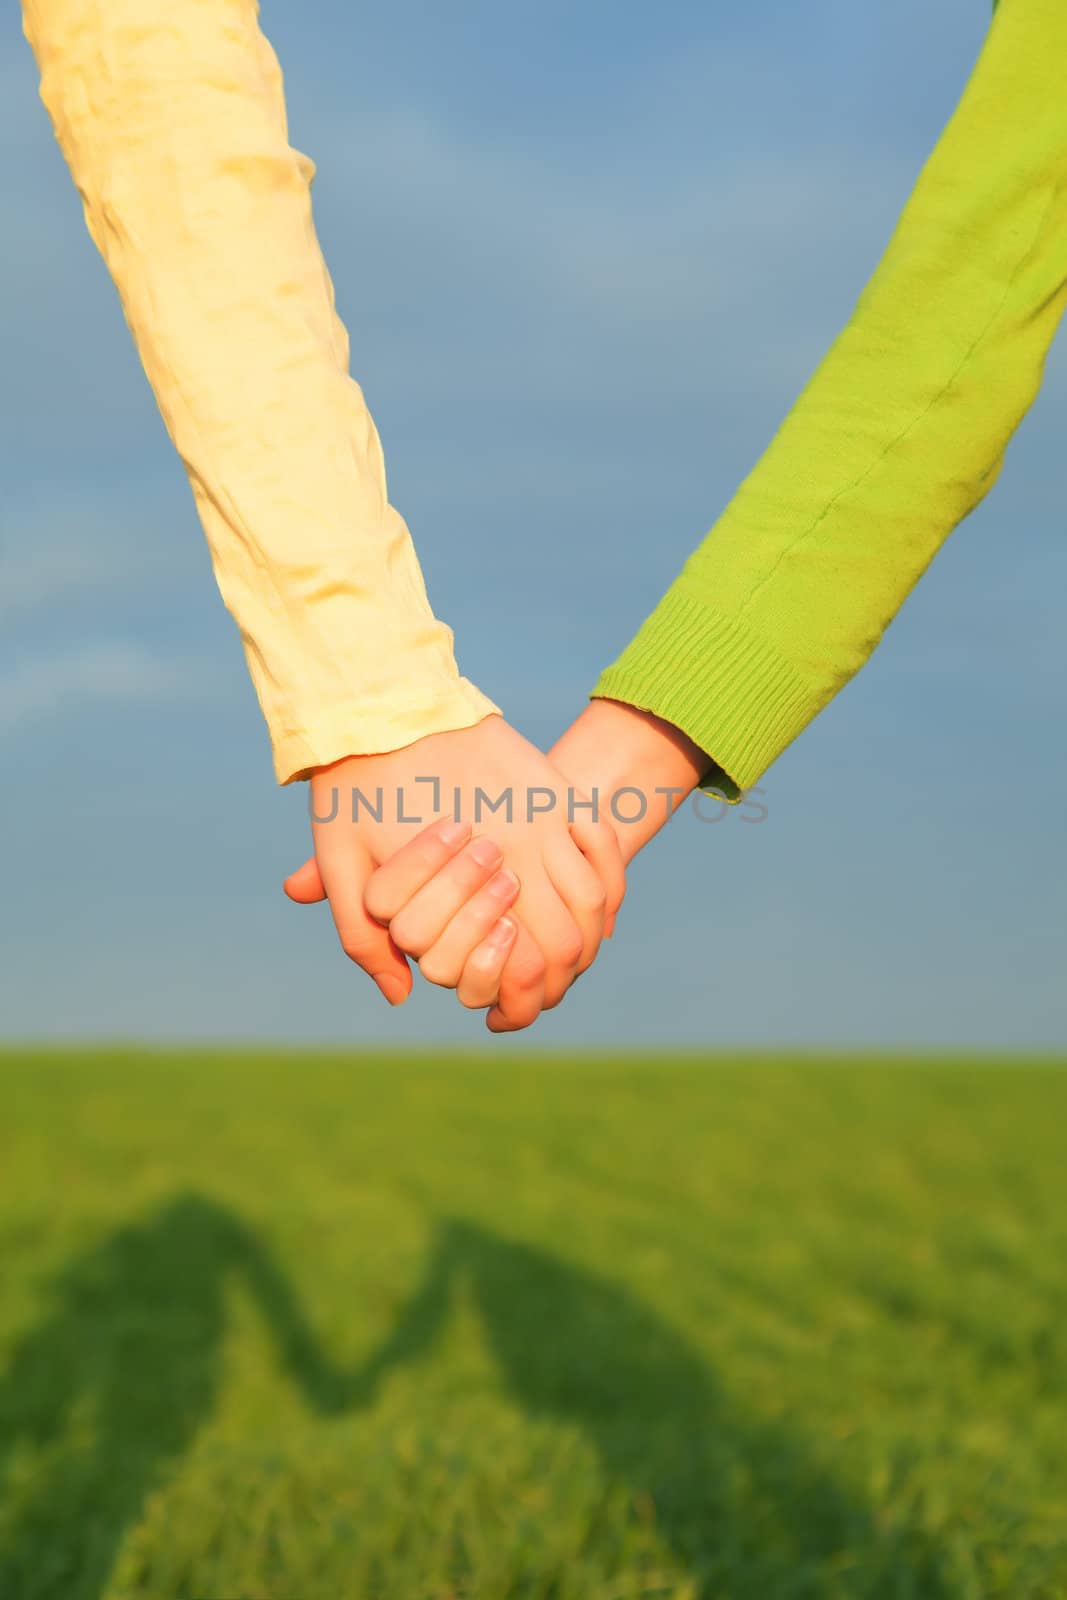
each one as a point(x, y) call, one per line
point(328, 1328)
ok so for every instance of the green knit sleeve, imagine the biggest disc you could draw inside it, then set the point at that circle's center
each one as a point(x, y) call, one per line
point(897, 437)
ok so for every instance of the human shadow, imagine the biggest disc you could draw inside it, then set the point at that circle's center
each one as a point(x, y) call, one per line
point(740, 1502)
point(128, 1362)
point(136, 1336)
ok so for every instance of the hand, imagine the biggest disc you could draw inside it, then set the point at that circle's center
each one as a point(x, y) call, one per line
point(451, 904)
point(609, 747)
point(570, 874)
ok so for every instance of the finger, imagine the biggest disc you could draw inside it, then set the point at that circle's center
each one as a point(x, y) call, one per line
point(305, 885)
point(522, 986)
point(410, 869)
point(599, 844)
point(581, 891)
point(444, 962)
point(541, 909)
point(423, 921)
point(346, 869)
point(480, 980)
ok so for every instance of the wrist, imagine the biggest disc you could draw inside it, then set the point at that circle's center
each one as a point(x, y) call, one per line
point(612, 746)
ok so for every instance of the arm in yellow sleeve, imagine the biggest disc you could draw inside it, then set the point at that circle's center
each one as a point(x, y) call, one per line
point(895, 440)
point(171, 116)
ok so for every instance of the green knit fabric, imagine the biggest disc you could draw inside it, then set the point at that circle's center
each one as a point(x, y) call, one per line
point(894, 441)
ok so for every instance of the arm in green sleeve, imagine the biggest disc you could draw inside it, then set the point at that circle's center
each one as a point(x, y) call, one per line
point(895, 440)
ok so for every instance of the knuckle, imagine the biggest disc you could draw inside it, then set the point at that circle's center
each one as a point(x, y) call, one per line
point(437, 970)
point(404, 932)
point(482, 857)
point(554, 992)
point(583, 965)
point(596, 898)
point(517, 1017)
point(527, 970)
point(377, 902)
point(355, 949)
point(570, 947)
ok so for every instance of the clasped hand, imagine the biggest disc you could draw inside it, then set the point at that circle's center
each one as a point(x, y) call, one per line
point(506, 896)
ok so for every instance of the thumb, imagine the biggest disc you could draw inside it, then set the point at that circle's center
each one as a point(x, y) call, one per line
point(305, 885)
point(342, 875)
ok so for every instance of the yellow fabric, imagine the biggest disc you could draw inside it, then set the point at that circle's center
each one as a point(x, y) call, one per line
point(171, 116)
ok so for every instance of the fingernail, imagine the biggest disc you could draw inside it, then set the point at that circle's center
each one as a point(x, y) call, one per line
point(504, 886)
point(503, 931)
point(486, 852)
point(393, 988)
point(453, 833)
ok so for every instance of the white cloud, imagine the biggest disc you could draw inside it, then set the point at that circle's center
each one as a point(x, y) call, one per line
point(104, 540)
point(37, 576)
point(36, 688)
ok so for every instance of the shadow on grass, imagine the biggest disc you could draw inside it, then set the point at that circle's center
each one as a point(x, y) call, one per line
point(133, 1350)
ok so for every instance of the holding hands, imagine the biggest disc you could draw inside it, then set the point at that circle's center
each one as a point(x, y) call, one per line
point(506, 896)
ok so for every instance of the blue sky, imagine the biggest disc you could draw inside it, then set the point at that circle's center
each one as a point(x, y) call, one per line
point(587, 255)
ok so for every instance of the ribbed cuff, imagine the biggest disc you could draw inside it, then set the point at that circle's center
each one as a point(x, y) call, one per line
point(357, 730)
point(720, 683)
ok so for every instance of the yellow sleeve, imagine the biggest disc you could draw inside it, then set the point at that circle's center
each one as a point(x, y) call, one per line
point(171, 117)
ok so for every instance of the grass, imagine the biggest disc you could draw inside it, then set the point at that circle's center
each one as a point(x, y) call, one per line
point(334, 1328)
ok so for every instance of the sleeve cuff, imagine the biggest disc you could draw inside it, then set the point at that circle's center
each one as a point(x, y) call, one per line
point(722, 684)
point(357, 731)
